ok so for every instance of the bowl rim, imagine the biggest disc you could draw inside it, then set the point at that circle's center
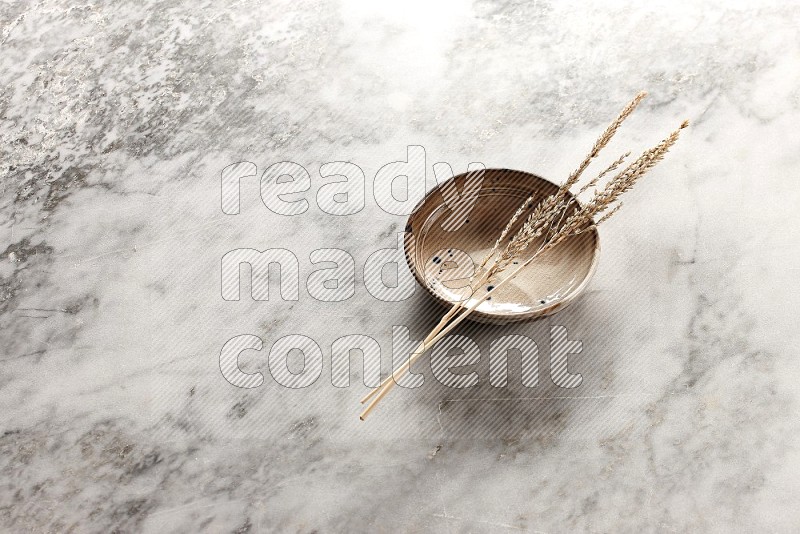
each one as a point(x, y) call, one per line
point(498, 317)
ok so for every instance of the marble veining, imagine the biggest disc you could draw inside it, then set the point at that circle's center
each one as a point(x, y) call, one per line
point(116, 120)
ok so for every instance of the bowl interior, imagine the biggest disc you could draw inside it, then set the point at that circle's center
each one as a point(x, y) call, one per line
point(447, 239)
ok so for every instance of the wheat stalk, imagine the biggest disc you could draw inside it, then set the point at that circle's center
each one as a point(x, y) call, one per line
point(548, 220)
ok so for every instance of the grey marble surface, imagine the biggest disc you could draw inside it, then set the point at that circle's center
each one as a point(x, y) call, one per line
point(116, 121)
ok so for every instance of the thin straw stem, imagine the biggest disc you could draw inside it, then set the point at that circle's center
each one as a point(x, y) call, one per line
point(547, 220)
point(424, 347)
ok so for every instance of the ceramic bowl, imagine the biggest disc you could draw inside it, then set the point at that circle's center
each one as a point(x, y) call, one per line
point(451, 230)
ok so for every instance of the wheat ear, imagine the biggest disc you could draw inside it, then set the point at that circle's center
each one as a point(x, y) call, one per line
point(555, 208)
